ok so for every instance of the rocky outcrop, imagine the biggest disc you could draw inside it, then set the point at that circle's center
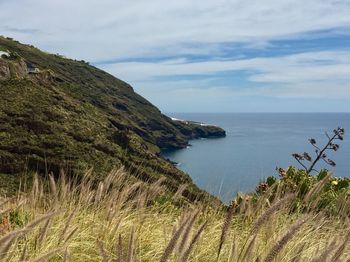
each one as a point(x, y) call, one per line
point(13, 68)
point(19, 68)
point(194, 130)
point(4, 69)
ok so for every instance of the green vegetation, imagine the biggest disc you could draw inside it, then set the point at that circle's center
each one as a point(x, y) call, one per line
point(74, 117)
point(70, 115)
point(124, 219)
point(328, 191)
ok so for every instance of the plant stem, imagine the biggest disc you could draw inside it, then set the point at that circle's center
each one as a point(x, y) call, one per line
point(308, 171)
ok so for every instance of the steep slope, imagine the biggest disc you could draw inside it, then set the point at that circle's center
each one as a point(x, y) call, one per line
point(61, 113)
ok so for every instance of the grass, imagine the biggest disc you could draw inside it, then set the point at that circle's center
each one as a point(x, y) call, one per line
point(72, 115)
point(124, 219)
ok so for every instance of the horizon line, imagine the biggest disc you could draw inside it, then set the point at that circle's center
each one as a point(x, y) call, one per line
point(253, 112)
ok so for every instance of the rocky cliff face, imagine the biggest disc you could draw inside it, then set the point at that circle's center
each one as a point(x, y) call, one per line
point(4, 69)
point(12, 68)
point(68, 114)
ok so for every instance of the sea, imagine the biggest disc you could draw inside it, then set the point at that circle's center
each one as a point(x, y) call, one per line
point(257, 143)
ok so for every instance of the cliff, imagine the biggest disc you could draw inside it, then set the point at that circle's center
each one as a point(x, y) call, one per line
point(58, 113)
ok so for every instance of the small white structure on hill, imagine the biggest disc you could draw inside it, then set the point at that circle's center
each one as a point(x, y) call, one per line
point(3, 53)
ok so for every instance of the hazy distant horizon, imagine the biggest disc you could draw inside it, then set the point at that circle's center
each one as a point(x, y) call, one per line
point(253, 112)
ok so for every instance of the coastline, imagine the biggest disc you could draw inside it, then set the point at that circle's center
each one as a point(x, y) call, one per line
point(195, 130)
point(209, 131)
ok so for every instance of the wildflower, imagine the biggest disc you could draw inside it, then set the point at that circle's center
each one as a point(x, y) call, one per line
point(298, 156)
point(312, 141)
point(263, 187)
point(307, 156)
point(335, 147)
point(339, 132)
point(334, 183)
point(331, 162)
point(281, 172)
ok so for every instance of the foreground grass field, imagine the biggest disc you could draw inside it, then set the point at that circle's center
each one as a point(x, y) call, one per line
point(123, 219)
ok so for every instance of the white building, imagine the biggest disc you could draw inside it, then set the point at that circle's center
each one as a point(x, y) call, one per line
point(3, 53)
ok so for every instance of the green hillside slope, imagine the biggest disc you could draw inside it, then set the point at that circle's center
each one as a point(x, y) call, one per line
point(60, 113)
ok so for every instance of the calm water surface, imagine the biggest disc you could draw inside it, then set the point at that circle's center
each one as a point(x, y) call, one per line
point(254, 146)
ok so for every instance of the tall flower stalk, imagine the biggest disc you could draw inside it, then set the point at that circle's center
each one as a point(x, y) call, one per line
point(304, 158)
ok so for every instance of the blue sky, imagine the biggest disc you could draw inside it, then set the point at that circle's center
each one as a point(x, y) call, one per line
point(203, 56)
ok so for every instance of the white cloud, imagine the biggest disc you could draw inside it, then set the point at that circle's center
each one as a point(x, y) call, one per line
point(306, 74)
point(110, 30)
point(100, 30)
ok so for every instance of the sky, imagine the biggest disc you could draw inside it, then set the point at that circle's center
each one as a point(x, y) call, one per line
point(202, 56)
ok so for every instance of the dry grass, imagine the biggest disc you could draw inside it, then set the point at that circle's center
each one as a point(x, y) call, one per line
point(122, 219)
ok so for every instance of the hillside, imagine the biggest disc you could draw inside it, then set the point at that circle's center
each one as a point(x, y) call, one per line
point(62, 117)
point(61, 113)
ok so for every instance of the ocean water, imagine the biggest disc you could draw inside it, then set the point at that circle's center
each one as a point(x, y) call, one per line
point(256, 143)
